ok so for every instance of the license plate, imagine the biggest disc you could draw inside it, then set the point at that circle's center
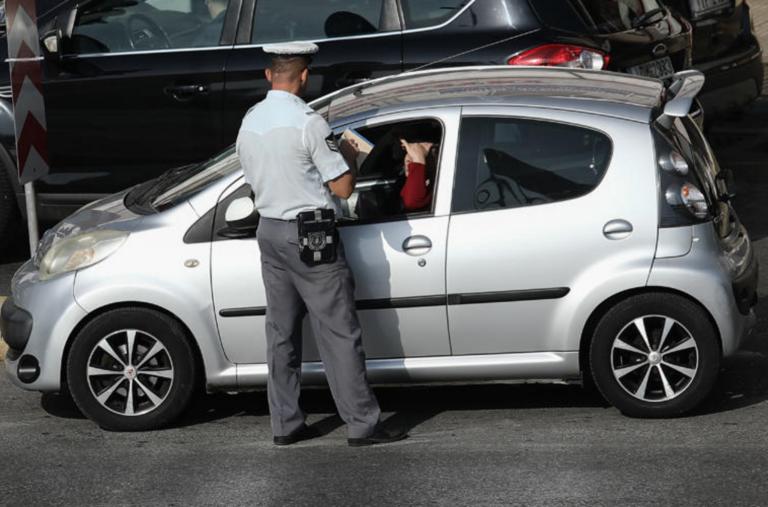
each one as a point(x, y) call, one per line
point(659, 69)
point(701, 7)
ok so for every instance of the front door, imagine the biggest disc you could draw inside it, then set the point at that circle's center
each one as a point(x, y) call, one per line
point(397, 256)
point(138, 90)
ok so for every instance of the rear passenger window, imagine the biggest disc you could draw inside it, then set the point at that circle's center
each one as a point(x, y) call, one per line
point(511, 163)
point(281, 20)
point(423, 13)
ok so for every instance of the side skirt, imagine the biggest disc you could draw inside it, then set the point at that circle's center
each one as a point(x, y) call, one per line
point(474, 368)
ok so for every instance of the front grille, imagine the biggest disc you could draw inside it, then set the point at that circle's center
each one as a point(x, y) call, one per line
point(6, 92)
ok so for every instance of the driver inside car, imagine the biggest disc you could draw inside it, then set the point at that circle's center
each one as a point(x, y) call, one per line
point(406, 158)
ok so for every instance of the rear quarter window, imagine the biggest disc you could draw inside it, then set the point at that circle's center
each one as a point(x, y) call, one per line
point(424, 13)
point(513, 163)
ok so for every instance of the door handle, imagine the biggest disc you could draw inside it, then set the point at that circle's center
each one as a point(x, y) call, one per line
point(185, 93)
point(417, 245)
point(617, 229)
point(349, 81)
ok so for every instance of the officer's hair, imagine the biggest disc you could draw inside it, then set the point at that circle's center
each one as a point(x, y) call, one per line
point(288, 67)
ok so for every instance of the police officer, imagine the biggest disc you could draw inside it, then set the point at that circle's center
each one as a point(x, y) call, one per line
point(292, 162)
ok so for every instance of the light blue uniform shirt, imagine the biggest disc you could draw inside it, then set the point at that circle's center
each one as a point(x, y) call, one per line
point(288, 153)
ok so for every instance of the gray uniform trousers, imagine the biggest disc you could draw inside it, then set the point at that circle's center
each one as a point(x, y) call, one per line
point(326, 292)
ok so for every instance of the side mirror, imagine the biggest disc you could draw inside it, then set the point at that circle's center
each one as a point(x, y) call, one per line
point(242, 219)
point(55, 40)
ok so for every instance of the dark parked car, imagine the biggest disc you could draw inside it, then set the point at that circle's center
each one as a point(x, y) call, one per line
point(726, 50)
point(134, 87)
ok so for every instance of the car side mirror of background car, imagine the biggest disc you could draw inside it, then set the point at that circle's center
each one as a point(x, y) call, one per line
point(242, 219)
point(54, 41)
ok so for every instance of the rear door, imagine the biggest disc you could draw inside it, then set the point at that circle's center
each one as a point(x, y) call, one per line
point(138, 89)
point(358, 40)
point(537, 200)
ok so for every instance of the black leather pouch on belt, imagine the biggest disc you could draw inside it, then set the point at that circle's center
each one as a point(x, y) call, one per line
point(318, 237)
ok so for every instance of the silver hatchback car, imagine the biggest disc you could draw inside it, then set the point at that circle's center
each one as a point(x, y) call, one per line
point(579, 227)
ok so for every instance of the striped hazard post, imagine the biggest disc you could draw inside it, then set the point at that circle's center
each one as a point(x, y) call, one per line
point(27, 86)
point(28, 103)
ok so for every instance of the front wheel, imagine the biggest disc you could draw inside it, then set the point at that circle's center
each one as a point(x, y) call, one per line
point(131, 369)
point(655, 355)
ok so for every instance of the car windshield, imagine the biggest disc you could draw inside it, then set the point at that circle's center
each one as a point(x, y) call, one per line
point(195, 178)
point(180, 183)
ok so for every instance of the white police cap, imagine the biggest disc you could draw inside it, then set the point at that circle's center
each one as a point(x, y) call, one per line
point(287, 49)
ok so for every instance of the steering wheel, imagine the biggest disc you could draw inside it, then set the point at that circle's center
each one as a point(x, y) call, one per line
point(149, 36)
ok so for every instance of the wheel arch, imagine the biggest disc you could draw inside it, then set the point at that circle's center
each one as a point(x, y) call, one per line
point(199, 362)
point(599, 312)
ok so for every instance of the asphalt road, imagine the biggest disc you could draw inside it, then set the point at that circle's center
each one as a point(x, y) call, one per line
point(483, 445)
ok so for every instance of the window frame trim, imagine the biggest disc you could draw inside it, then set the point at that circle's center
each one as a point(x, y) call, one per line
point(403, 30)
point(449, 120)
point(529, 115)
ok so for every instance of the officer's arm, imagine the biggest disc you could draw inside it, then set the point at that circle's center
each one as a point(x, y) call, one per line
point(325, 153)
point(343, 186)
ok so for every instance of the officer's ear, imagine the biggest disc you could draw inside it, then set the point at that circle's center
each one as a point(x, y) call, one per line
point(304, 75)
point(268, 73)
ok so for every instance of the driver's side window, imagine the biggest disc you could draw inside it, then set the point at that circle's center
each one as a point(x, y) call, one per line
point(397, 170)
point(119, 26)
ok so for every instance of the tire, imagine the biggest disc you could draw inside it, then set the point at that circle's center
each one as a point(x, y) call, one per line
point(161, 372)
point(632, 378)
point(10, 218)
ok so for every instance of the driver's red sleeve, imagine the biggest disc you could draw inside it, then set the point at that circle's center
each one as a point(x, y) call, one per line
point(415, 194)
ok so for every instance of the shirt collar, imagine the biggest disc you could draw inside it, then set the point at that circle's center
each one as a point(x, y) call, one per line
point(280, 94)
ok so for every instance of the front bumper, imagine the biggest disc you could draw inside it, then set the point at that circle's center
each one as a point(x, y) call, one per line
point(47, 313)
point(732, 82)
point(15, 326)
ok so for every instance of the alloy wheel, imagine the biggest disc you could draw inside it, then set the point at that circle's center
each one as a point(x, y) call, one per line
point(654, 358)
point(130, 372)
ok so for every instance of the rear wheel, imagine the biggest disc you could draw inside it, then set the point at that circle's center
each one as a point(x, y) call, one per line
point(131, 369)
point(655, 355)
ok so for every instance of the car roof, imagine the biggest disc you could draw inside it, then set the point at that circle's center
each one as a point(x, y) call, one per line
point(599, 92)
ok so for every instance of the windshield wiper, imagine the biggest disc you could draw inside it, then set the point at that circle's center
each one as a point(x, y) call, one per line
point(649, 18)
point(146, 192)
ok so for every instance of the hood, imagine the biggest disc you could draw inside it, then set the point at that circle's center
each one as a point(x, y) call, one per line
point(106, 213)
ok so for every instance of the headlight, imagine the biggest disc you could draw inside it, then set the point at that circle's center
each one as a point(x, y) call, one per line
point(80, 251)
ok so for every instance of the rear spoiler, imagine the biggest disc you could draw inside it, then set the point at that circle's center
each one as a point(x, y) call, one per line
point(682, 93)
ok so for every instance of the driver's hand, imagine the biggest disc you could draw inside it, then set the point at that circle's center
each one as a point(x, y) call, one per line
point(415, 152)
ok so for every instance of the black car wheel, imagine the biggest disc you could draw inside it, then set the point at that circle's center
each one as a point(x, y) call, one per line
point(9, 211)
point(131, 369)
point(655, 355)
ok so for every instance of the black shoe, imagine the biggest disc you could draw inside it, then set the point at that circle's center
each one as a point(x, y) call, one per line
point(379, 436)
point(303, 433)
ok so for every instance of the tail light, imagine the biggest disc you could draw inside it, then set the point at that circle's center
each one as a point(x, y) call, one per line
point(562, 55)
point(686, 203)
